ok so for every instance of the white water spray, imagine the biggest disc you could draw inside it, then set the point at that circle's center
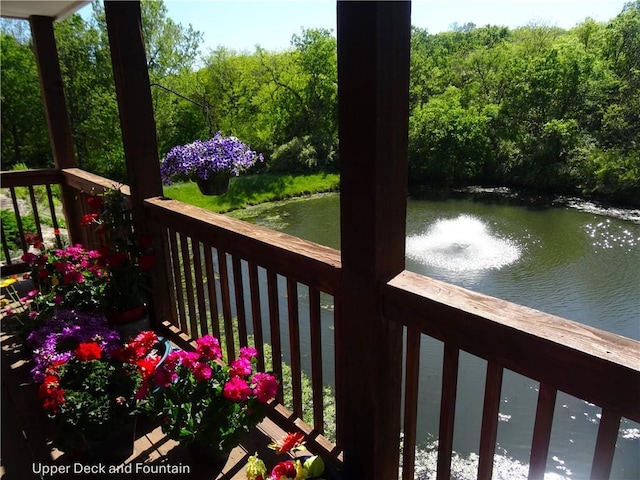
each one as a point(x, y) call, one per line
point(462, 244)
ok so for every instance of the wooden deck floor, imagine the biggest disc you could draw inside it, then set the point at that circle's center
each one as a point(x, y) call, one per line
point(26, 434)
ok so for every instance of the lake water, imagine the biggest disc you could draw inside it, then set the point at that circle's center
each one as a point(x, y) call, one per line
point(566, 257)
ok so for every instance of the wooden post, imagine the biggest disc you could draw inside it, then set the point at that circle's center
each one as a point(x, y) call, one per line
point(133, 91)
point(55, 108)
point(373, 109)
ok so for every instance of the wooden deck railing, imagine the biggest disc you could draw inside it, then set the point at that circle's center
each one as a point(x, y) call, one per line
point(593, 365)
point(235, 280)
point(12, 183)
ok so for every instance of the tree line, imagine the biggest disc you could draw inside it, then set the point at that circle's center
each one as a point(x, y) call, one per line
point(532, 107)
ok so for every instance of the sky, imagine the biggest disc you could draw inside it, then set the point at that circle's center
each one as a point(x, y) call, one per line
point(243, 24)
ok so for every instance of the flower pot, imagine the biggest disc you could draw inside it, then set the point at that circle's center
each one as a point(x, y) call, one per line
point(216, 184)
point(209, 455)
point(114, 448)
point(129, 323)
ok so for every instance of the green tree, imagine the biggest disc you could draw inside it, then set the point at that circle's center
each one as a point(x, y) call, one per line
point(24, 128)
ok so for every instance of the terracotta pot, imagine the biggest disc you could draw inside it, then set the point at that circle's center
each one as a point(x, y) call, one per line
point(125, 317)
point(216, 184)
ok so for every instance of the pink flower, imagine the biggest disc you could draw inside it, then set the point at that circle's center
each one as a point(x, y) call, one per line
point(240, 367)
point(58, 299)
point(283, 470)
point(248, 352)
point(202, 371)
point(28, 258)
point(209, 347)
point(189, 359)
point(73, 277)
point(164, 377)
point(266, 386)
point(236, 389)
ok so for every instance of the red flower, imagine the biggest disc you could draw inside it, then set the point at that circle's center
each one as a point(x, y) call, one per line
point(117, 259)
point(89, 219)
point(286, 444)
point(51, 394)
point(95, 203)
point(88, 351)
point(147, 366)
point(146, 262)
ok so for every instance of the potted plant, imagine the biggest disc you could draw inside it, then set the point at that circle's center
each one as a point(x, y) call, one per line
point(93, 395)
point(207, 405)
point(127, 257)
point(64, 278)
point(211, 163)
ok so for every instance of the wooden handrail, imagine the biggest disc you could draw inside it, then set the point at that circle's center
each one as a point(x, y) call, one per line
point(591, 364)
point(25, 178)
point(91, 183)
point(301, 260)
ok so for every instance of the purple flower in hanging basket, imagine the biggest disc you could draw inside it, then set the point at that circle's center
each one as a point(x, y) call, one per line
point(203, 159)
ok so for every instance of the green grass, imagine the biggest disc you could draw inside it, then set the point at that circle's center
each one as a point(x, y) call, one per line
point(254, 189)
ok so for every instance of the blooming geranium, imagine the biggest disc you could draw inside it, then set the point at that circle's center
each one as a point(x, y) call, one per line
point(95, 390)
point(205, 158)
point(128, 255)
point(217, 403)
point(71, 277)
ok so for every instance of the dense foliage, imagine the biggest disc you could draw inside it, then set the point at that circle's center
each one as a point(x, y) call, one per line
point(535, 107)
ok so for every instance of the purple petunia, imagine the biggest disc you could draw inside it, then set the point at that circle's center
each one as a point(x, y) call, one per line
point(205, 158)
point(63, 332)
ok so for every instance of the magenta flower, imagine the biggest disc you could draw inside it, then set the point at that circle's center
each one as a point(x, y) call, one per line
point(237, 390)
point(266, 387)
point(202, 371)
point(240, 367)
point(248, 353)
point(209, 347)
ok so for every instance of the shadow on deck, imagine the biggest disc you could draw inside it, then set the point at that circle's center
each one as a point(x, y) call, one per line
point(26, 434)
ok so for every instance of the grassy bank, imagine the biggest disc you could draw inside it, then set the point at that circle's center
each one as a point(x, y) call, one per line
point(254, 189)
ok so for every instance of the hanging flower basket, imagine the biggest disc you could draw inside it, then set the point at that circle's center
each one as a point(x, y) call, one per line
point(216, 184)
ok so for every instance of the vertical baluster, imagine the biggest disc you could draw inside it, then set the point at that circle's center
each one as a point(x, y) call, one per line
point(542, 431)
point(447, 410)
point(605, 445)
point(34, 211)
point(177, 280)
point(256, 314)
point(5, 246)
point(226, 304)
point(489, 432)
point(316, 359)
point(54, 217)
point(198, 277)
point(16, 211)
point(211, 288)
point(238, 289)
point(188, 281)
point(274, 324)
point(294, 345)
point(412, 372)
point(338, 328)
